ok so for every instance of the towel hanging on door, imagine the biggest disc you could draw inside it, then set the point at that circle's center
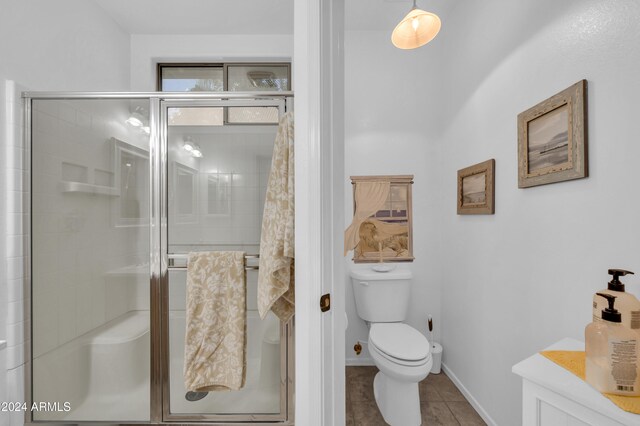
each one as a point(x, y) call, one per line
point(276, 273)
point(215, 347)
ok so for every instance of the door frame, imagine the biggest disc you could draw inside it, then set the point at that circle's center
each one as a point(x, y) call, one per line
point(160, 357)
point(318, 78)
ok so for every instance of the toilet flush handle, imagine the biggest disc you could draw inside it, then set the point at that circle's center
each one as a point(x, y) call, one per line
point(364, 283)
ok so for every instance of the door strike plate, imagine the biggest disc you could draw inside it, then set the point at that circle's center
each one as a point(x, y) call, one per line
point(325, 302)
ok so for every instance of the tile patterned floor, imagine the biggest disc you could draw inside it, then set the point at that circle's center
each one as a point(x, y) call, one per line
point(441, 402)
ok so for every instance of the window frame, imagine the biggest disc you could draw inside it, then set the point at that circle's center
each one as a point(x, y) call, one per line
point(225, 81)
point(224, 65)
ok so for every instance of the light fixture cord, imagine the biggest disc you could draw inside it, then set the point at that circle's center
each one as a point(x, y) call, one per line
point(415, 6)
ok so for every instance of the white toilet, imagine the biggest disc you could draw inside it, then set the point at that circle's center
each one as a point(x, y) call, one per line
point(401, 353)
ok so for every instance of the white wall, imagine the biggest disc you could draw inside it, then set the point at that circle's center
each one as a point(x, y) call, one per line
point(62, 45)
point(391, 127)
point(149, 49)
point(523, 278)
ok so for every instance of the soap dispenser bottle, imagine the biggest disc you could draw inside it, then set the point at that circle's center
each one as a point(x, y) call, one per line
point(627, 304)
point(612, 353)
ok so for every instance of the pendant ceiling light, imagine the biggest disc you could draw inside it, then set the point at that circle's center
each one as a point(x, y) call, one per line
point(416, 29)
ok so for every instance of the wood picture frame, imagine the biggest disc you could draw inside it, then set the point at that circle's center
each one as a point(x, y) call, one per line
point(396, 212)
point(476, 186)
point(552, 139)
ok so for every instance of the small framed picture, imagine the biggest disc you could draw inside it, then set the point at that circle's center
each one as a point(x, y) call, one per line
point(476, 186)
point(552, 139)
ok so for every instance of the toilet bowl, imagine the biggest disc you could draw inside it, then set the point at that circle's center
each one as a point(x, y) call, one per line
point(401, 353)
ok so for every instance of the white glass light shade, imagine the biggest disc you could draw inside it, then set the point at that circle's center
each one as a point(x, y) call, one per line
point(416, 29)
point(196, 153)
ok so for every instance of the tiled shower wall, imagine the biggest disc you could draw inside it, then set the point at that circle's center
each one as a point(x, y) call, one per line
point(15, 268)
point(79, 246)
point(3, 278)
point(243, 156)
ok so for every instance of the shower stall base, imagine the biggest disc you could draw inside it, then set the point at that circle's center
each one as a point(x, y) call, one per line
point(115, 360)
point(103, 374)
point(261, 393)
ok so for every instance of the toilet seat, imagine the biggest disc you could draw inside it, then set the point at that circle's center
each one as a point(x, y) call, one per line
point(400, 362)
point(400, 344)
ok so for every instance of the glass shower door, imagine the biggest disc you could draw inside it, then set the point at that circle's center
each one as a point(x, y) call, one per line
point(90, 259)
point(216, 178)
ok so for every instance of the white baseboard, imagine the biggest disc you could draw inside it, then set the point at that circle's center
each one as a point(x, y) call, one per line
point(359, 362)
point(474, 402)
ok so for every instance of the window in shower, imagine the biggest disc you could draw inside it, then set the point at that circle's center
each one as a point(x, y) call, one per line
point(224, 77)
point(190, 78)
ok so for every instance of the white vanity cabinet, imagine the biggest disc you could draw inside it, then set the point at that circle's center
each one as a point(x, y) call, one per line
point(553, 396)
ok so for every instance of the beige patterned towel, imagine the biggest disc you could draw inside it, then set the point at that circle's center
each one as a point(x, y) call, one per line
point(275, 275)
point(215, 340)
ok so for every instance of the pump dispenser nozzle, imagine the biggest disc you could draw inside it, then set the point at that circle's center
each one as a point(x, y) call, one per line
point(610, 314)
point(615, 284)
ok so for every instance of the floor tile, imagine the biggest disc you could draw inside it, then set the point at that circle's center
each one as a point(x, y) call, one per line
point(349, 420)
point(360, 385)
point(437, 378)
point(445, 387)
point(360, 390)
point(364, 371)
point(437, 413)
point(349, 411)
point(366, 413)
point(465, 414)
point(441, 401)
point(428, 392)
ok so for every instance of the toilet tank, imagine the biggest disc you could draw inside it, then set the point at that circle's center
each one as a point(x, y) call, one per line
point(381, 296)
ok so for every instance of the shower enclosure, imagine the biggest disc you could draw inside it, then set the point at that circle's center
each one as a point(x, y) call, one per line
point(123, 187)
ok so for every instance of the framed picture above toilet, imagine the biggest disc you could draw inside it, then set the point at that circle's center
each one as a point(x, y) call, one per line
point(381, 230)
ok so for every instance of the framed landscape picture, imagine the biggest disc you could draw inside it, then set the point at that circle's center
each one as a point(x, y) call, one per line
point(476, 186)
point(552, 139)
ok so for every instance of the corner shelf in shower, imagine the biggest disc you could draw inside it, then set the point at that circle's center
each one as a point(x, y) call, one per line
point(87, 188)
point(141, 269)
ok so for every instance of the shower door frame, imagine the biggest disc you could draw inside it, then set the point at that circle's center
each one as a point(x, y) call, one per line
point(285, 416)
point(159, 407)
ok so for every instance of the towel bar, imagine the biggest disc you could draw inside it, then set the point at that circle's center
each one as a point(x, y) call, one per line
point(174, 257)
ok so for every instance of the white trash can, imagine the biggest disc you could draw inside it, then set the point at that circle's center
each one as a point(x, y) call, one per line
point(436, 356)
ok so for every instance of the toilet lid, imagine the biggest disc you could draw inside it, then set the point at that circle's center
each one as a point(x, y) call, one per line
point(399, 341)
